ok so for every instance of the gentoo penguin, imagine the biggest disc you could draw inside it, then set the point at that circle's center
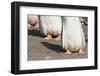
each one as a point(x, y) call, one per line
point(51, 25)
point(33, 20)
point(72, 35)
point(84, 20)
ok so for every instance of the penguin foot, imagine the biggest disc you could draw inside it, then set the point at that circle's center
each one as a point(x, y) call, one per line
point(58, 38)
point(68, 52)
point(49, 37)
point(36, 27)
point(81, 51)
point(28, 25)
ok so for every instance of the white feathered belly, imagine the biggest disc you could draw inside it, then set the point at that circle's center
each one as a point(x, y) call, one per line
point(32, 19)
point(52, 24)
point(72, 36)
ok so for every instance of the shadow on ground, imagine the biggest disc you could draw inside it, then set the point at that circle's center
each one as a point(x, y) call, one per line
point(34, 33)
point(53, 47)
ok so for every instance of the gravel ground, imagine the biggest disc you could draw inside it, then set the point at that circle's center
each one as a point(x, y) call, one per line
point(41, 49)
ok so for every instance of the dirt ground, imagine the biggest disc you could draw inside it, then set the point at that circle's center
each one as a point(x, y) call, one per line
point(41, 49)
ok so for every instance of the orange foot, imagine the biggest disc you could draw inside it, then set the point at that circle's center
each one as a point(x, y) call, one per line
point(81, 51)
point(36, 27)
point(28, 25)
point(58, 37)
point(49, 37)
point(68, 52)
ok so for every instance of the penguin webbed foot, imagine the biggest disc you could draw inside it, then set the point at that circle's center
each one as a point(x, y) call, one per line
point(49, 37)
point(68, 52)
point(81, 51)
point(58, 38)
point(36, 27)
point(29, 25)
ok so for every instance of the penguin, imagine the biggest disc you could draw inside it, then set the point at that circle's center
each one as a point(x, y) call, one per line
point(51, 25)
point(33, 20)
point(72, 35)
point(84, 20)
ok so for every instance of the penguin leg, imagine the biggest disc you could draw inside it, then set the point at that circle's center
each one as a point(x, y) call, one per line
point(58, 37)
point(49, 36)
point(81, 51)
point(68, 52)
point(36, 26)
point(28, 25)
